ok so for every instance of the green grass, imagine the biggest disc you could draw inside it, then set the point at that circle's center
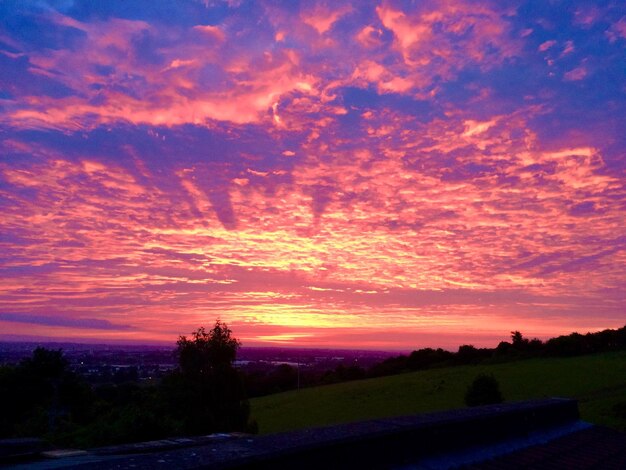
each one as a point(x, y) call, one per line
point(597, 381)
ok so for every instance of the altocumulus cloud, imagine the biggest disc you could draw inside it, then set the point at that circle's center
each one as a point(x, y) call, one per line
point(85, 323)
point(379, 173)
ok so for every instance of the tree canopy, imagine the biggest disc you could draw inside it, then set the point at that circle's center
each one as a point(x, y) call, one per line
point(207, 394)
point(207, 351)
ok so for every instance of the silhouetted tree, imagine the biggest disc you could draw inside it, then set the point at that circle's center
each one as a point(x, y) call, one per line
point(40, 395)
point(503, 349)
point(207, 351)
point(517, 339)
point(484, 390)
point(570, 345)
point(468, 354)
point(392, 365)
point(428, 357)
point(206, 394)
point(535, 346)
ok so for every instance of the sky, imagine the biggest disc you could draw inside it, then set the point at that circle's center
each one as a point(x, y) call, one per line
point(374, 175)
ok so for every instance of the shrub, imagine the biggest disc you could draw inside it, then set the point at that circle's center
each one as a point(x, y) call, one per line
point(484, 390)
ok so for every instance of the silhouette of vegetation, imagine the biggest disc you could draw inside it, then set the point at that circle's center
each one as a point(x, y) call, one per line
point(41, 396)
point(344, 374)
point(468, 354)
point(284, 377)
point(519, 348)
point(206, 394)
point(207, 352)
point(428, 357)
point(484, 390)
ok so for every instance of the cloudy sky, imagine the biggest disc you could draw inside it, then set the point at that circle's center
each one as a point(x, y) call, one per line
point(383, 175)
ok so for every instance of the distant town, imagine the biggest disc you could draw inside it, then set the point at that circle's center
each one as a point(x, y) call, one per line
point(105, 363)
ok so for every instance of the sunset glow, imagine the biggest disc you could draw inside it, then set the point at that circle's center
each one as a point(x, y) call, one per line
point(382, 175)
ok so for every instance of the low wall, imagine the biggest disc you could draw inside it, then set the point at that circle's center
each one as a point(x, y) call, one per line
point(378, 443)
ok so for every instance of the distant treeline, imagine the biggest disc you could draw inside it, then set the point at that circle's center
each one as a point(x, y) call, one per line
point(286, 377)
point(519, 347)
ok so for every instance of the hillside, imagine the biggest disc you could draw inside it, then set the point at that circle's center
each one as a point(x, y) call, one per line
point(597, 381)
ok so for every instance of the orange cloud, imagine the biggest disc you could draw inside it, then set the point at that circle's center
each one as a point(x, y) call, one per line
point(321, 17)
point(449, 35)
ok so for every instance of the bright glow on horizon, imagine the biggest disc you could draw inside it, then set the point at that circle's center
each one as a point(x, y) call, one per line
point(387, 175)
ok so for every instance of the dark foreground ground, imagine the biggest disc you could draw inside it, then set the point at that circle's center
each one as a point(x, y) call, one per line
point(533, 434)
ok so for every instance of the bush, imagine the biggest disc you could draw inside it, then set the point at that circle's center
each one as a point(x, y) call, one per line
point(484, 390)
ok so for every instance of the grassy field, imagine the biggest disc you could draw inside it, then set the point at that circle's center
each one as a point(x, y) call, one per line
point(597, 381)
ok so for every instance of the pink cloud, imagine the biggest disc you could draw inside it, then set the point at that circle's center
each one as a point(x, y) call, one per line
point(155, 95)
point(434, 41)
point(438, 40)
point(617, 30)
point(544, 46)
point(370, 37)
point(252, 85)
point(386, 81)
point(212, 31)
point(587, 15)
point(456, 33)
point(569, 48)
point(321, 18)
point(579, 73)
point(305, 176)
